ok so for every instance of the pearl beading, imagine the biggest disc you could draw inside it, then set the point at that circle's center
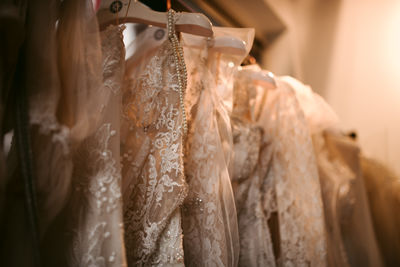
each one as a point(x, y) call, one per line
point(179, 64)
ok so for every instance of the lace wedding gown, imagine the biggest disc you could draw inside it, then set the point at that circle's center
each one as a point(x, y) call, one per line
point(350, 236)
point(209, 214)
point(75, 155)
point(96, 198)
point(252, 158)
point(91, 224)
point(293, 181)
point(152, 160)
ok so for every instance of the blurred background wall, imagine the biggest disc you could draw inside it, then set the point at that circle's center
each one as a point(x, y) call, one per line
point(349, 52)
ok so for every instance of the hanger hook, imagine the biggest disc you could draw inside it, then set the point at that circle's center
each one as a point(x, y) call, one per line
point(168, 5)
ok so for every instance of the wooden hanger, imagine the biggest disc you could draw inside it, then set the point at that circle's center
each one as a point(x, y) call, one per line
point(118, 11)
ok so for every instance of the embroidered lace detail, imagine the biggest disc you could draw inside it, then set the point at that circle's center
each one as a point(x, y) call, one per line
point(247, 142)
point(97, 192)
point(153, 180)
point(209, 214)
point(251, 161)
point(112, 46)
point(297, 188)
point(97, 238)
point(170, 251)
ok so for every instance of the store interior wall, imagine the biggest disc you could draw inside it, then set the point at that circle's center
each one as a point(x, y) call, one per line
point(349, 52)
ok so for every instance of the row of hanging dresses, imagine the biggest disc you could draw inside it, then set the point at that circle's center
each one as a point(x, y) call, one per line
point(351, 237)
point(281, 193)
point(174, 156)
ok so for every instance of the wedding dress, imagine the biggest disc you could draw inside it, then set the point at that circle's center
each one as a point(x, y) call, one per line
point(252, 158)
point(91, 223)
point(224, 67)
point(383, 190)
point(208, 215)
point(75, 155)
point(292, 181)
point(153, 183)
point(350, 237)
point(97, 234)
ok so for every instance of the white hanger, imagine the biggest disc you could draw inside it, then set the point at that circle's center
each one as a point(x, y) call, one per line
point(193, 23)
point(221, 44)
point(228, 45)
point(261, 77)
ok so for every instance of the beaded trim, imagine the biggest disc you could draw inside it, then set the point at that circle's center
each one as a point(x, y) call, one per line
point(179, 64)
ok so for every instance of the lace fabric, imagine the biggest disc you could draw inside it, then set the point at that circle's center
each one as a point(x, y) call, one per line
point(209, 214)
point(347, 217)
point(76, 161)
point(251, 161)
point(318, 113)
point(97, 229)
point(152, 164)
point(295, 181)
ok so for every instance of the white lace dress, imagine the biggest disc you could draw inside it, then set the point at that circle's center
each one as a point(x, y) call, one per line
point(152, 161)
point(75, 158)
point(252, 156)
point(350, 235)
point(209, 213)
point(293, 181)
point(95, 206)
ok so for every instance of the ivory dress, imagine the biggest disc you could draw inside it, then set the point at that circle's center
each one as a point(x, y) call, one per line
point(292, 182)
point(74, 139)
point(209, 213)
point(154, 185)
point(252, 158)
point(350, 234)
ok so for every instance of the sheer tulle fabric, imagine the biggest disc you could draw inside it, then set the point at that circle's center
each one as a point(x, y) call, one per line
point(209, 214)
point(224, 65)
point(64, 80)
point(91, 223)
point(80, 69)
point(96, 223)
point(50, 138)
point(152, 162)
